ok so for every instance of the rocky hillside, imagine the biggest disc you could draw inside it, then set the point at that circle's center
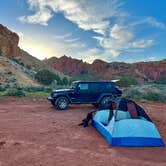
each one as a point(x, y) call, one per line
point(13, 74)
point(17, 67)
point(143, 71)
point(8, 42)
point(34, 64)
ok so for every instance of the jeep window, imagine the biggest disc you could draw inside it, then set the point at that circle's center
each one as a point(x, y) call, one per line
point(109, 86)
point(83, 86)
point(96, 87)
point(74, 84)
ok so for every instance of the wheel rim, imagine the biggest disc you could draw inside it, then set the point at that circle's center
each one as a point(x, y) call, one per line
point(63, 103)
point(106, 99)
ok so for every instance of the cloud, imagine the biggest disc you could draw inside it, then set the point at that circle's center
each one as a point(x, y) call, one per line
point(88, 15)
point(121, 39)
point(151, 21)
point(68, 38)
point(152, 58)
point(41, 17)
point(121, 33)
point(114, 33)
point(44, 46)
point(72, 40)
point(142, 43)
point(64, 36)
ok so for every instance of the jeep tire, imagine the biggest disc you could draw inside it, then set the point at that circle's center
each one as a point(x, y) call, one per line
point(61, 103)
point(95, 105)
point(105, 99)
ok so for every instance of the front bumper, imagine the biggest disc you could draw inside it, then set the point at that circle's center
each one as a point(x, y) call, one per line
point(49, 98)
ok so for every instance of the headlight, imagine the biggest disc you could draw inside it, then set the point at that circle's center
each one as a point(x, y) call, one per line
point(54, 94)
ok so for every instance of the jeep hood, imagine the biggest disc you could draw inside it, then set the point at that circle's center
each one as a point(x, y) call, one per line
point(62, 90)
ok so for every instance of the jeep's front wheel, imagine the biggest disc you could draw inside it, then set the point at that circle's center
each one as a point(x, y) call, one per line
point(61, 103)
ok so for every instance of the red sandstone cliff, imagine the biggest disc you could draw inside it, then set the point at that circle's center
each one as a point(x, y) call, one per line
point(141, 70)
point(8, 42)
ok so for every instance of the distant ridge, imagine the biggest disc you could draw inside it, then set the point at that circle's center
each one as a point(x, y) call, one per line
point(142, 71)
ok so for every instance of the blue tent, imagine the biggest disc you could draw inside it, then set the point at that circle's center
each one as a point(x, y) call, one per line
point(122, 130)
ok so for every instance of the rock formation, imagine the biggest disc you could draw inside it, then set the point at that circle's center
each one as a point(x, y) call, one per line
point(8, 42)
point(104, 70)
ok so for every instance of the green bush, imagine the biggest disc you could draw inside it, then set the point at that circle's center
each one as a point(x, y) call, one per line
point(34, 89)
point(45, 76)
point(126, 81)
point(15, 92)
point(152, 96)
point(152, 92)
point(2, 88)
point(65, 81)
point(15, 60)
point(161, 80)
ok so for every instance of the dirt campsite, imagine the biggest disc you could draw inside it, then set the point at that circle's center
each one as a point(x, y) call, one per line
point(33, 133)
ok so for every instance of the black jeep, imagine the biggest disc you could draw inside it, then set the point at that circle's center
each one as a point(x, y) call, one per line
point(84, 92)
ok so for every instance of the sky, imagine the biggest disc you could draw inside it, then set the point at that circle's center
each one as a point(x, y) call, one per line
point(110, 30)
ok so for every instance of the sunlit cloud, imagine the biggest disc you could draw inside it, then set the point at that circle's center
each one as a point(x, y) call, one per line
point(115, 34)
point(151, 21)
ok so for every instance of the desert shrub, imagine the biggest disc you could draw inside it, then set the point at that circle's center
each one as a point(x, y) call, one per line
point(152, 92)
point(153, 96)
point(14, 92)
point(37, 95)
point(34, 89)
point(2, 88)
point(45, 76)
point(1, 53)
point(132, 93)
point(65, 81)
point(15, 60)
point(48, 77)
point(48, 89)
point(161, 80)
point(28, 67)
point(84, 72)
point(126, 81)
point(107, 66)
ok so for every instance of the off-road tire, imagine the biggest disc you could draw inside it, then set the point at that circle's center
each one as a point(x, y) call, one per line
point(105, 99)
point(95, 105)
point(61, 103)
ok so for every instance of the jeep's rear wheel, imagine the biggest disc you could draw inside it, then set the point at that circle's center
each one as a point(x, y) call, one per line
point(105, 100)
point(95, 105)
point(61, 103)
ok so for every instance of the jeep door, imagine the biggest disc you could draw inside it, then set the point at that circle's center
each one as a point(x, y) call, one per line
point(95, 90)
point(82, 94)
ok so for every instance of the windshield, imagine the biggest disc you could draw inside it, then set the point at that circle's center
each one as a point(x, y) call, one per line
point(74, 84)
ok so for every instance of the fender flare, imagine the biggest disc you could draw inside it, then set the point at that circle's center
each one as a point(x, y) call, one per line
point(64, 95)
point(104, 95)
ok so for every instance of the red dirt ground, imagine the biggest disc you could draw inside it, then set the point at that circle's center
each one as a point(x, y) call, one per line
point(33, 133)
